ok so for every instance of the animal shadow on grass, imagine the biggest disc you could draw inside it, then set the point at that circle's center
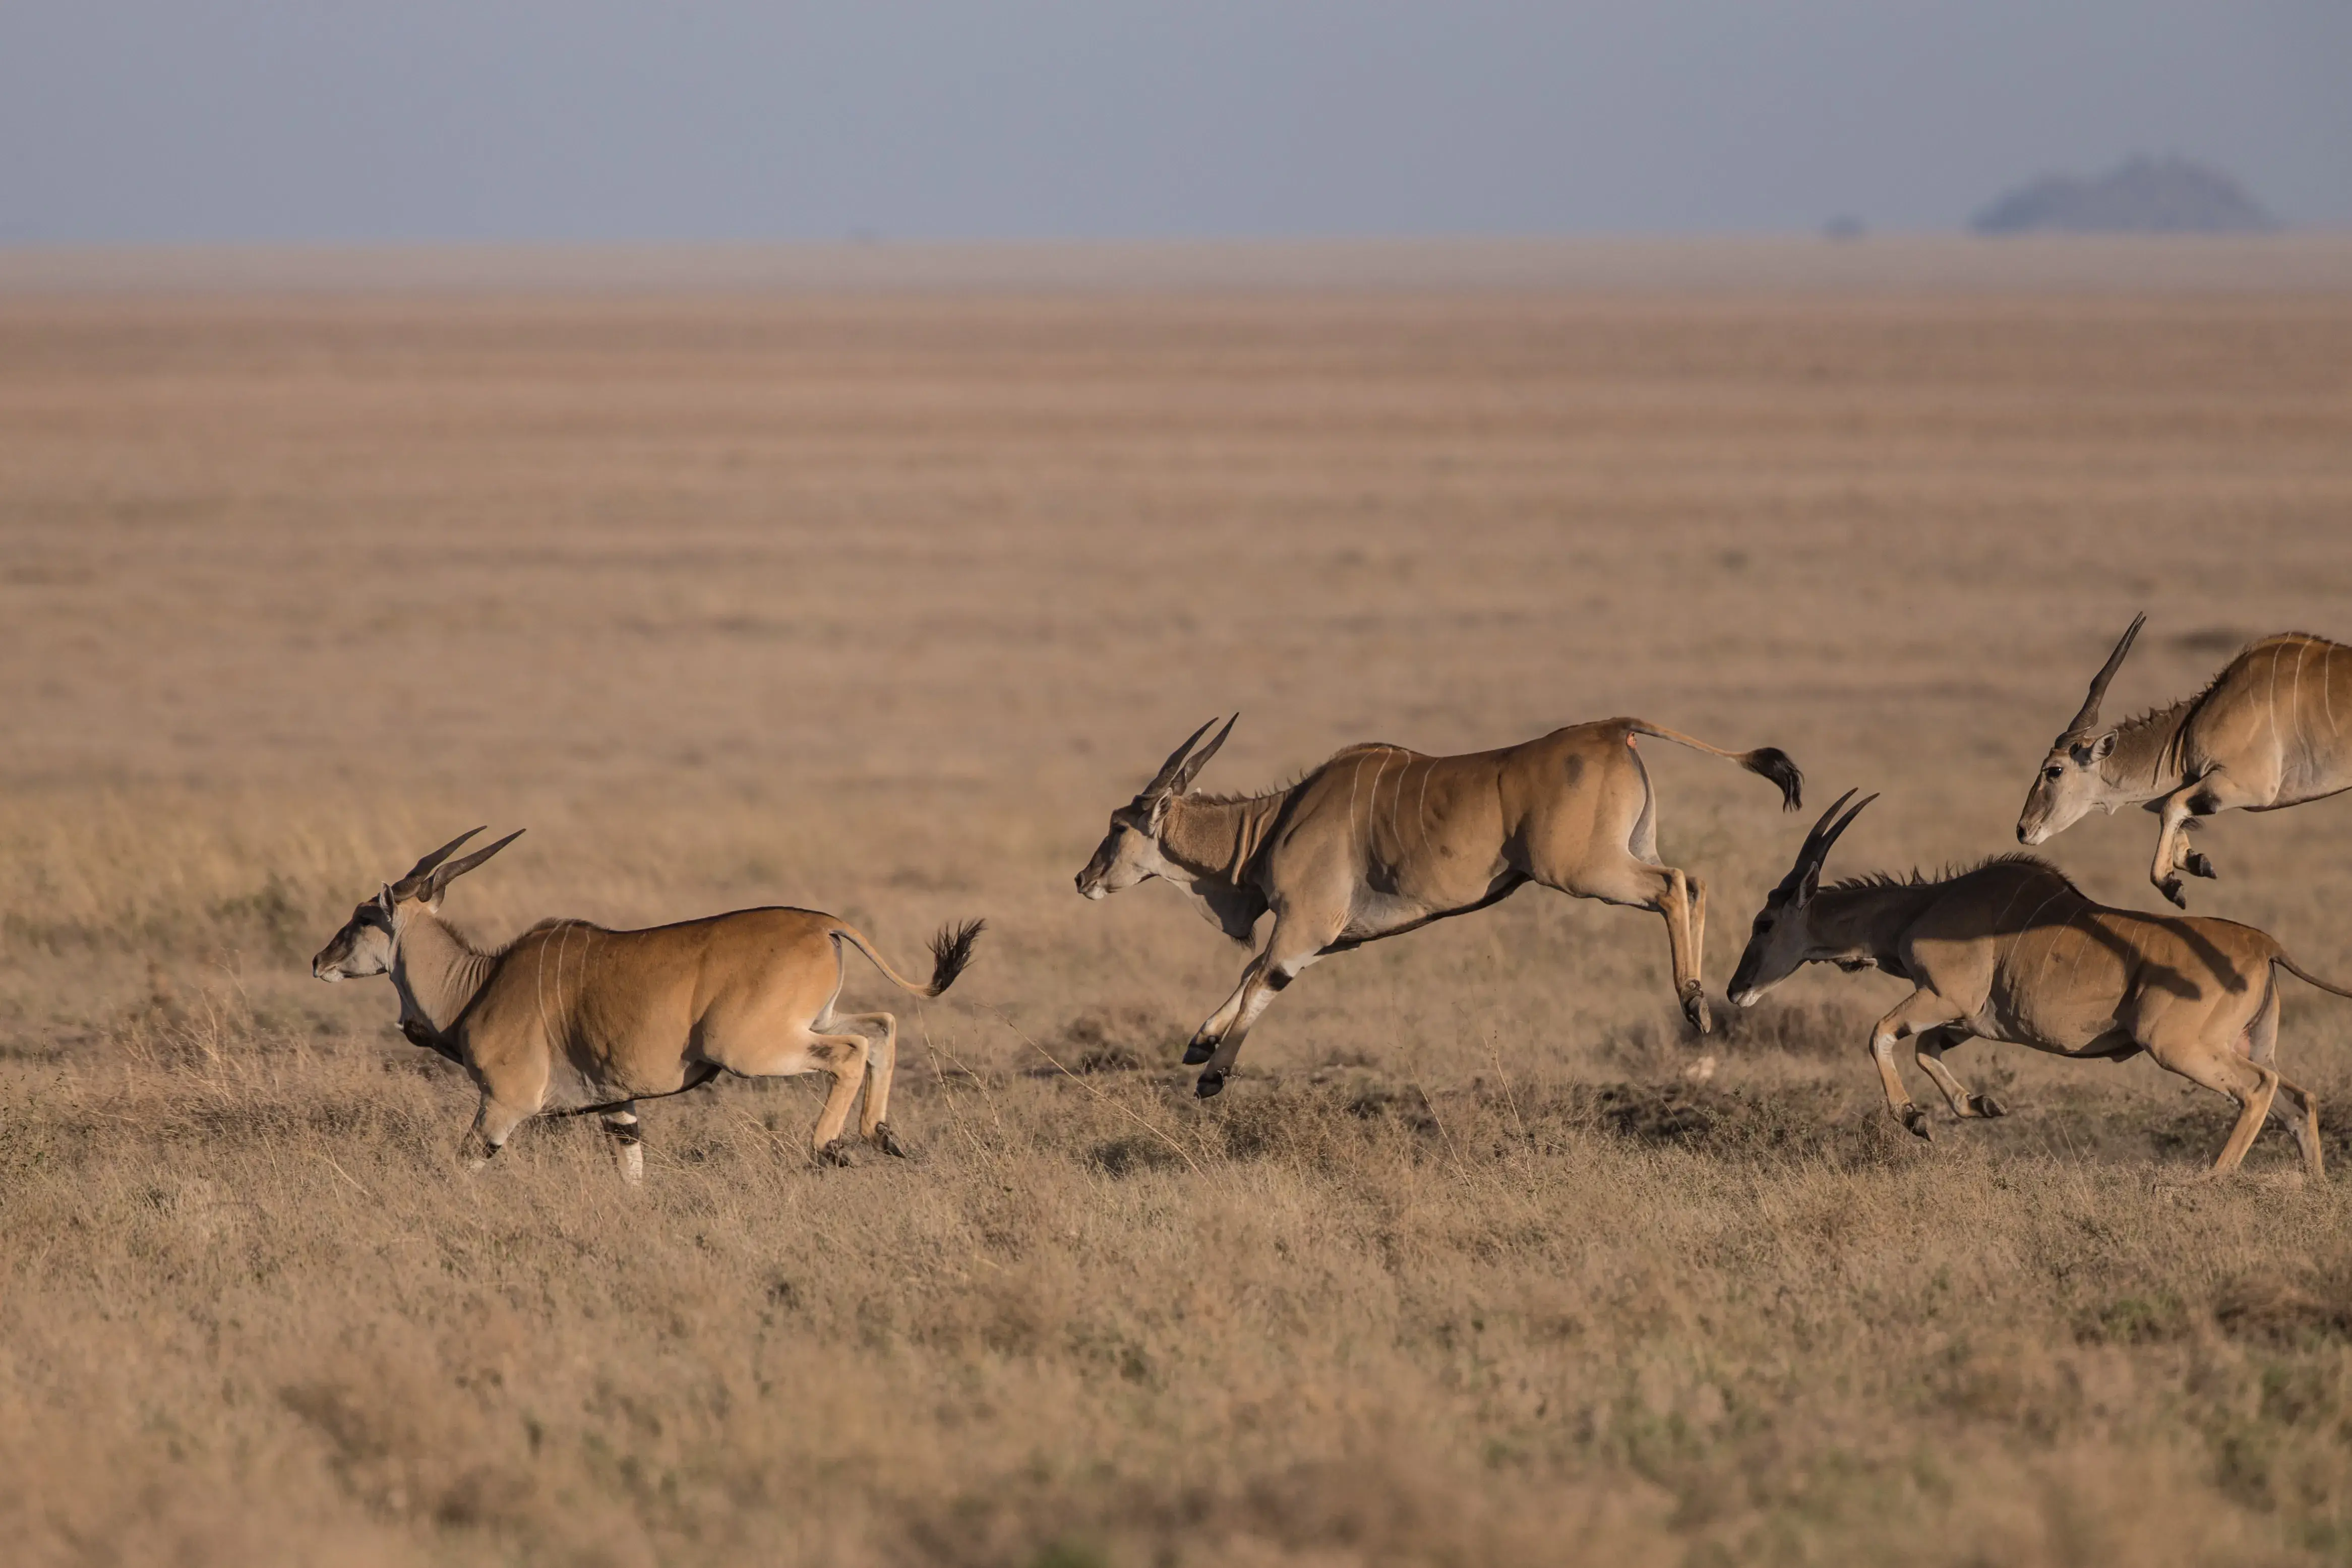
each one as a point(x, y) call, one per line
point(1114, 1040)
point(1804, 1121)
point(1666, 1099)
point(2308, 1307)
point(1329, 1123)
point(1814, 1028)
point(2086, 1123)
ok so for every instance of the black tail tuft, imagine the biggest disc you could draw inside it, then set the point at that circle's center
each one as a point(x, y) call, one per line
point(952, 953)
point(1774, 764)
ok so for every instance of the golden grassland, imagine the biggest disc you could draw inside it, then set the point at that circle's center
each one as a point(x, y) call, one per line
point(879, 604)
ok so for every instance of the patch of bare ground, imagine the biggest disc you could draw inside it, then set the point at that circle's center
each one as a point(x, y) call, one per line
point(879, 604)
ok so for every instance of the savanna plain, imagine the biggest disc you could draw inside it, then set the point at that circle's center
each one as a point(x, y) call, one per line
point(877, 603)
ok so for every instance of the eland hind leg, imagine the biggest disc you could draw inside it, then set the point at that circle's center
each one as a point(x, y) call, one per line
point(2260, 1042)
point(1675, 895)
point(628, 1141)
point(789, 1054)
point(881, 1030)
point(1604, 845)
point(2181, 1047)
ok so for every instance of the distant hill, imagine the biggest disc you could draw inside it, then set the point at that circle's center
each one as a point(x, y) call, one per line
point(2146, 196)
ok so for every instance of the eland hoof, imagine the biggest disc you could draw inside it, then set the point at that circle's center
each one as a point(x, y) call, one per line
point(1199, 1051)
point(840, 1151)
point(1916, 1121)
point(887, 1141)
point(1987, 1106)
point(2170, 889)
point(2196, 865)
point(1210, 1085)
point(1695, 1009)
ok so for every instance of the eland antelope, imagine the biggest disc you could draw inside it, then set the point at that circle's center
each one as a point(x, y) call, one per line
point(2012, 951)
point(570, 1019)
point(1381, 840)
point(2264, 733)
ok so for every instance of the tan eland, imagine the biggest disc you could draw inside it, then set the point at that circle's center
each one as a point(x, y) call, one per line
point(1381, 840)
point(572, 1020)
point(2264, 733)
point(2012, 951)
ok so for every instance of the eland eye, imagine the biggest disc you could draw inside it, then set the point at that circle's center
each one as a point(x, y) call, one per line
point(2053, 770)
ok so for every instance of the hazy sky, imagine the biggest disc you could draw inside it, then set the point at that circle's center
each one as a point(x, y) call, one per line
point(332, 120)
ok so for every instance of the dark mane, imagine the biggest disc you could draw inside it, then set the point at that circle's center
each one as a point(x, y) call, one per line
point(1206, 797)
point(550, 923)
point(2173, 712)
point(466, 939)
point(1871, 881)
point(2165, 713)
point(2284, 637)
point(1918, 878)
point(1203, 797)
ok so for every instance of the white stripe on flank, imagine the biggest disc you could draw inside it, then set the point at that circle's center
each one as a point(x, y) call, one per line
point(2075, 973)
point(1396, 801)
point(2295, 699)
point(2009, 906)
point(2050, 950)
point(562, 952)
point(2037, 911)
point(1353, 781)
point(2270, 704)
point(1421, 805)
point(563, 1011)
point(539, 985)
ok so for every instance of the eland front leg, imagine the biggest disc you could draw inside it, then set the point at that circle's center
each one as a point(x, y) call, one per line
point(1919, 1013)
point(2176, 814)
point(1291, 946)
point(1929, 1054)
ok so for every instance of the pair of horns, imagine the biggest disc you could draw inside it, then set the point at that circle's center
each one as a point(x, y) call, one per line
point(1183, 765)
point(2089, 716)
point(1806, 872)
point(430, 873)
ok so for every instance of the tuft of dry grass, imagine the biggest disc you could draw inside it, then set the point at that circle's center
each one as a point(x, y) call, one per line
point(879, 604)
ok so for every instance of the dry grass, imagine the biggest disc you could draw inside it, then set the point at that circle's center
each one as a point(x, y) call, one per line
point(880, 605)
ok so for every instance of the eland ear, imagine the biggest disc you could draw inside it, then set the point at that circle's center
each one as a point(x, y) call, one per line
point(2104, 747)
point(385, 899)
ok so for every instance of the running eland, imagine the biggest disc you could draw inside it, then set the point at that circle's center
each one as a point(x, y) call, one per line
point(1381, 840)
point(572, 1020)
point(2013, 951)
point(2264, 733)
